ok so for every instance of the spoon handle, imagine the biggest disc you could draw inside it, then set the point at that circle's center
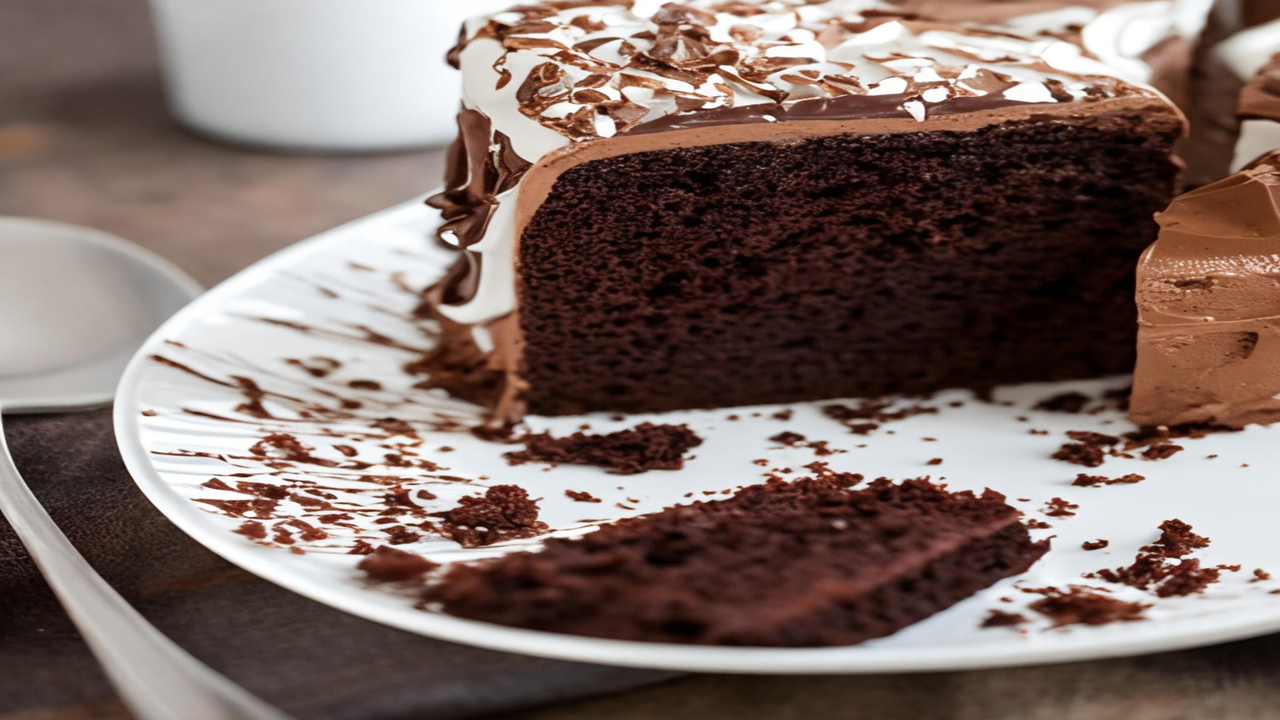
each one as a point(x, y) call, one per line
point(155, 678)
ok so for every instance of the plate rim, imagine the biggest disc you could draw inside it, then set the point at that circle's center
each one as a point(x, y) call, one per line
point(389, 610)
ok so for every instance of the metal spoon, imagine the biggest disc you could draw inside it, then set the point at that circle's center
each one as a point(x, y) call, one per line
point(75, 304)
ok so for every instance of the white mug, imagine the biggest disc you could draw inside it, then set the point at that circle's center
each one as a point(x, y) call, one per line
point(315, 75)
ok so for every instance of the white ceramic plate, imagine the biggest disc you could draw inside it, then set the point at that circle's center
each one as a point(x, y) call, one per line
point(348, 296)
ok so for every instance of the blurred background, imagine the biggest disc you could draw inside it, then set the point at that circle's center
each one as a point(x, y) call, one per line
point(289, 117)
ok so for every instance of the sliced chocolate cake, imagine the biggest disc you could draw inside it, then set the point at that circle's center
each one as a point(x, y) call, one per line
point(706, 204)
point(1209, 288)
point(809, 563)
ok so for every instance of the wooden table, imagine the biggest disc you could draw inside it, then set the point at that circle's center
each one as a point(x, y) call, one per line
point(84, 138)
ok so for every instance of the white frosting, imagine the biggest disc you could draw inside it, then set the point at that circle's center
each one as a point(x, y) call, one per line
point(497, 267)
point(529, 139)
point(1246, 52)
point(888, 59)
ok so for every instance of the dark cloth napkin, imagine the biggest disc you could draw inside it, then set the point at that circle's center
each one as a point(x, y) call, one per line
point(308, 659)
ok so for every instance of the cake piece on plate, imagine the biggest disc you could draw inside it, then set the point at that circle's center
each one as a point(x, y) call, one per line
point(1209, 306)
point(667, 206)
point(809, 563)
point(1208, 290)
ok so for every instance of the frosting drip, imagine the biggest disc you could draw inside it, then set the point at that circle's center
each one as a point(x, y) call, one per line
point(604, 69)
point(479, 167)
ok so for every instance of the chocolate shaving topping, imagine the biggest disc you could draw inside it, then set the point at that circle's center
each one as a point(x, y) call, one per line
point(711, 57)
point(626, 452)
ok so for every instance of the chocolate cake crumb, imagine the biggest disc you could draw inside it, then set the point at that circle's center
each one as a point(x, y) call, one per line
point(1095, 544)
point(999, 618)
point(580, 496)
point(807, 563)
point(935, 461)
point(1079, 605)
point(626, 452)
point(1092, 448)
point(1260, 575)
point(1151, 567)
point(1161, 452)
point(1083, 480)
point(253, 529)
point(821, 448)
point(783, 414)
point(1093, 438)
point(1034, 524)
point(364, 385)
point(504, 513)
point(1080, 454)
point(1176, 540)
point(1068, 402)
point(1057, 507)
point(388, 564)
point(495, 433)
point(788, 438)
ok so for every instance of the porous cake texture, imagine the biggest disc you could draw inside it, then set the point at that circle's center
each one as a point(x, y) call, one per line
point(665, 205)
point(808, 563)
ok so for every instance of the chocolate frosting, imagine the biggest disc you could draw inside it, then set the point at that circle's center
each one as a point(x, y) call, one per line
point(589, 72)
point(480, 165)
point(1260, 99)
point(1209, 306)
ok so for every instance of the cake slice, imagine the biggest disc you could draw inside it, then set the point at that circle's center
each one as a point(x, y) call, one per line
point(810, 563)
point(666, 206)
point(1209, 306)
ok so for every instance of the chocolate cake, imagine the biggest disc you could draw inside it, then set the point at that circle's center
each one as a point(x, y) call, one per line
point(665, 206)
point(809, 563)
point(1208, 300)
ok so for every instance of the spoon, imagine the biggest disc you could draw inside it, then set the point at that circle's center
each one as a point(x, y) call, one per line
point(75, 304)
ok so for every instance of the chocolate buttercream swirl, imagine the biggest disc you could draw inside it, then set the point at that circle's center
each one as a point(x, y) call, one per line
point(1209, 305)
